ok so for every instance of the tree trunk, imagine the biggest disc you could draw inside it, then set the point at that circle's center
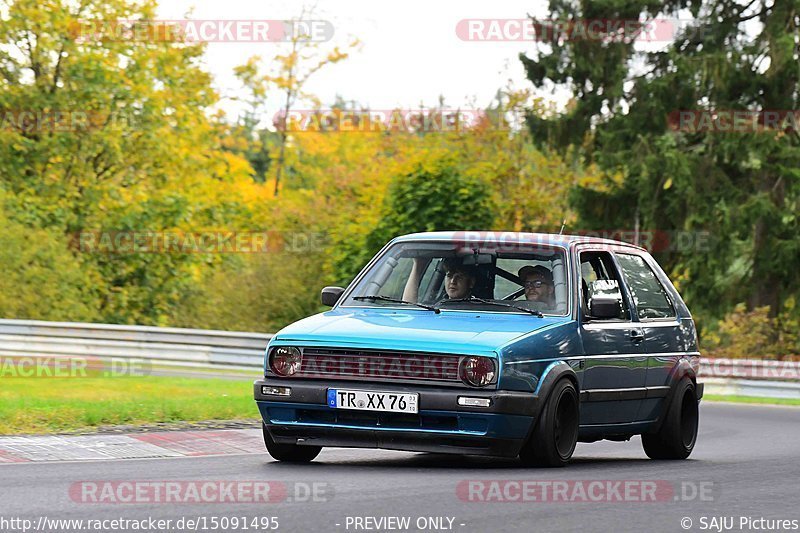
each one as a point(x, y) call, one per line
point(281, 154)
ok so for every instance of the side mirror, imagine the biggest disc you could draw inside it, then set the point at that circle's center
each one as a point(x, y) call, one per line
point(604, 307)
point(331, 295)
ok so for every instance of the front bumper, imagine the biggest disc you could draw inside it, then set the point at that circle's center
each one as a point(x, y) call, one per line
point(441, 426)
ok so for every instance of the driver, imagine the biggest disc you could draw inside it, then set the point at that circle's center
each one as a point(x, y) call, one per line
point(538, 283)
point(459, 279)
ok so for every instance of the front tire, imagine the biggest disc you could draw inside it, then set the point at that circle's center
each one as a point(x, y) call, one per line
point(678, 433)
point(289, 453)
point(553, 440)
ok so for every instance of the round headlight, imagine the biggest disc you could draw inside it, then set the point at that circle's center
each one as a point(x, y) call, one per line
point(478, 371)
point(285, 361)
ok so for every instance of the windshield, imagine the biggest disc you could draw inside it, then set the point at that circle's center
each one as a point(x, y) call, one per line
point(448, 277)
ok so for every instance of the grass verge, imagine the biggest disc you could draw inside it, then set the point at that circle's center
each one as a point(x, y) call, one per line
point(750, 399)
point(50, 405)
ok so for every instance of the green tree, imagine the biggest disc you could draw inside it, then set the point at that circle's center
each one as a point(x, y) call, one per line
point(743, 187)
point(435, 196)
point(261, 293)
point(41, 278)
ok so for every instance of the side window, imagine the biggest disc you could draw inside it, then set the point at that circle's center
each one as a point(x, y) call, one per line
point(648, 294)
point(599, 276)
point(427, 284)
point(393, 287)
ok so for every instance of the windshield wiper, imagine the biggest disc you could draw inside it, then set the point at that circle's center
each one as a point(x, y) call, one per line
point(397, 301)
point(492, 302)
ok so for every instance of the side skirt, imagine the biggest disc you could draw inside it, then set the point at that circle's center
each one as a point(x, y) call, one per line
point(616, 432)
point(613, 395)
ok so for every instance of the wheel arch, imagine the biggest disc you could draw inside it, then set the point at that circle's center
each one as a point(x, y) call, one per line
point(555, 371)
point(682, 369)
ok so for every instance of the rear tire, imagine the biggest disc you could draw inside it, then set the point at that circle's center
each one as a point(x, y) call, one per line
point(678, 433)
point(289, 453)
point(553, 440)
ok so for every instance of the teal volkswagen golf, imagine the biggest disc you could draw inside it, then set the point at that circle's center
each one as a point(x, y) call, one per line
point(500, 344)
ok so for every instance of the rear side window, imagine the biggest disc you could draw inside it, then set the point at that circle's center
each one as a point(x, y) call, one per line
point(651, 299)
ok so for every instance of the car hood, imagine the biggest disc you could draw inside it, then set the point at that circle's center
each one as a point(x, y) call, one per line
point(458, 332)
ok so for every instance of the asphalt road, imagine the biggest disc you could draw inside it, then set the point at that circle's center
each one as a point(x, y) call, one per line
point(745, 464)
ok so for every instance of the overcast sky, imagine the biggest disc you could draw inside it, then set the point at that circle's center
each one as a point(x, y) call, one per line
point(410, 51)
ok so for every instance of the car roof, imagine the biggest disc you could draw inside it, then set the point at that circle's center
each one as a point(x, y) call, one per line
point(513, 237)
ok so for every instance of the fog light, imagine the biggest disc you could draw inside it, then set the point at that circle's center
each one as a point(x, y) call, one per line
point(474, 402)
point(275, 391)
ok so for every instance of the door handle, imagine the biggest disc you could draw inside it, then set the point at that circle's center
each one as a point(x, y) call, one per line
point(637, 336)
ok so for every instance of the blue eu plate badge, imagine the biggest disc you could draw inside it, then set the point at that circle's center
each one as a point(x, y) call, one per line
point(331, 397)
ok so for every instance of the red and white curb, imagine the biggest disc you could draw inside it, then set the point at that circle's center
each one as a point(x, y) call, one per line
point(27, 449)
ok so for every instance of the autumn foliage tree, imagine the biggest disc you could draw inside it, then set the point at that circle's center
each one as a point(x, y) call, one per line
point(288, 74)
point(147, 157)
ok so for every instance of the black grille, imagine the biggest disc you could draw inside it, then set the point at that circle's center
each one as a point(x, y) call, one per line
point(379, 366)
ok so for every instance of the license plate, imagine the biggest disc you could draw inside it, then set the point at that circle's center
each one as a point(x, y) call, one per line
point(364, 400)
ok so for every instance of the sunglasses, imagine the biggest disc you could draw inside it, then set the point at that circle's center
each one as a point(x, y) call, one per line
point(537, 284)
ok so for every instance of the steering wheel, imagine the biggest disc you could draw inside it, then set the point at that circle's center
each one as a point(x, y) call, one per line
point(514, 295)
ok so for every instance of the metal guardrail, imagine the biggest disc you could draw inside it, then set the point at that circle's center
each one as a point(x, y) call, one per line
point(235, 350)
point(751, 377)
point(754, 388)
point(164, 346)
point(756, 369)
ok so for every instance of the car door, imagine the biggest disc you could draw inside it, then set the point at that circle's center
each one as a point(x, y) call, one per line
point(616, 361)
point(660, 324)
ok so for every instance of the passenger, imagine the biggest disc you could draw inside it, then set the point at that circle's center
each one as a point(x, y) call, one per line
point(538, 283)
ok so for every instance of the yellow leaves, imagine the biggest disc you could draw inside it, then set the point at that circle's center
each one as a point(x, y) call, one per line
point(254, 195)
point(231, 167)
point(593, 178)
point(336, 55)
point(291, 69)
point(743, 333)
point(356, 169)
